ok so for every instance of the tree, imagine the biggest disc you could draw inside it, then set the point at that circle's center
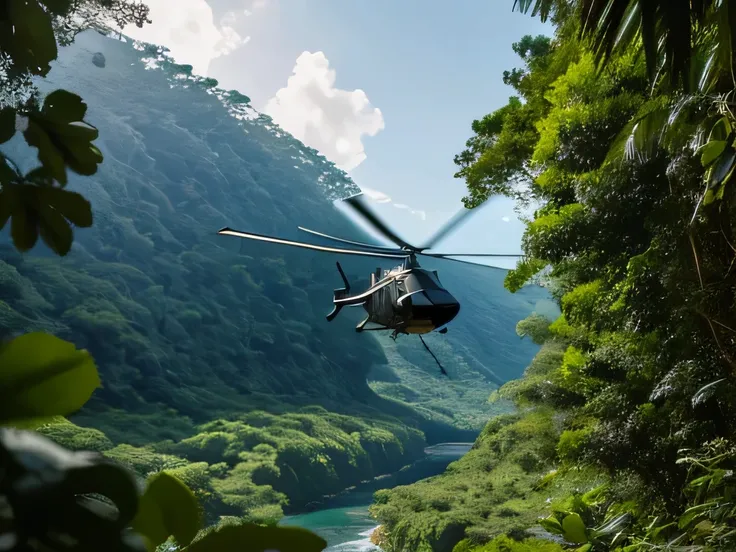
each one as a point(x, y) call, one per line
point(631, 161)
point(37, 203)
point(54, 499)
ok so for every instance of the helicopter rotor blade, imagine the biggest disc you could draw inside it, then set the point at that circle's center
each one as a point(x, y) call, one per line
point(360, 244)
point(358, 203)
point(260, 237)
point(471, 263)
point(447, 255)
point(446, 228)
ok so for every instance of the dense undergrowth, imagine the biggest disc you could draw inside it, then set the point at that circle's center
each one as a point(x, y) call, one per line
point(624, 436)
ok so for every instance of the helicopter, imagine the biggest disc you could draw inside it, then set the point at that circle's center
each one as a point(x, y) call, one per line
point(406, 299)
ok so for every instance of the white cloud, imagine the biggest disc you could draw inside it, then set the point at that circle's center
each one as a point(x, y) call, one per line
point(506, 219)
point(416, 212)
point(329, 119)
point(375, 195)
point(379, 197)
point(188, 29)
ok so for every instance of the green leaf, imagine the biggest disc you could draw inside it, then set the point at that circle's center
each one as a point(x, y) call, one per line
point(39, 176)
point(574, 529)
point(62, 106)
point(55, 230)
point(42, 375)
point(82, 157)
point(111, 481)
point(24, 228)
point(255, 538)
point(48, 154)
point(167, 508)
point(58, 7)
point(711, 151)
point(551, 525)
point(613, 525)
point(7, 173)
point(723, 168)
point(62, 137)
point(721, 129)
point(584, 548)
point(7, 124)
point(33, 42)
point(72, 205)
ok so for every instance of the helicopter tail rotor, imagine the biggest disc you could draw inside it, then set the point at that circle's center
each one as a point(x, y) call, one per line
point(339, 294)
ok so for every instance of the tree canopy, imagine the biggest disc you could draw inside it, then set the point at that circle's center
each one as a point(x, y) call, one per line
point(622, 137)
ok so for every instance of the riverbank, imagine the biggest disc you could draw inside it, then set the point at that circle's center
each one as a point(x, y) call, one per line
point(344, 521)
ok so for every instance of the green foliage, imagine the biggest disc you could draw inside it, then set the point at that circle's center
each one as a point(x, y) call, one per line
point(167, 507)
point(632, 166)
point(230, 537)
point(507, 544)
point(68, 486)
point(73, 437)
point(42, 376)
point(536, 327)
point(492, 490)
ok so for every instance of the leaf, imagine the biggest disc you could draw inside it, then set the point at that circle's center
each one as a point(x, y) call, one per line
point(111, 481)
point(43, 375)
point(723, 168)
point(249, 537)
point(58, 7)
point(62, 106)
point(39, 176)
point(7, 173)
point(167, 508)
point(711, 151)
point(721, 129)
point(552, 525)
point(33, 42)
point(693, 513)
point(574, 529)
point(62, 137)
point(72, 205)
point(705, 392)
point(55, 230)
point(7, 124)
point(584, 548)
point(704, 527)
point(613, 525)
point(23, 229)
point(48, 154)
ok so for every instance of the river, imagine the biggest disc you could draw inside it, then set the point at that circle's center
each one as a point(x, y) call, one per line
point(344, 521)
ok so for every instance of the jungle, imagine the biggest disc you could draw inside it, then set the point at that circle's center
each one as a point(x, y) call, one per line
point(158, 389)
point(621, 137)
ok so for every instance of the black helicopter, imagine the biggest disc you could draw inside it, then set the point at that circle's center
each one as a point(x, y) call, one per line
point(406, 299)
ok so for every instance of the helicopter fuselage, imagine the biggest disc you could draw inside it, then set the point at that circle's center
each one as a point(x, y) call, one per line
point(406, 299)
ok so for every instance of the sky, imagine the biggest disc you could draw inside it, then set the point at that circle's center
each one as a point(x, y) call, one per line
point(386, 89)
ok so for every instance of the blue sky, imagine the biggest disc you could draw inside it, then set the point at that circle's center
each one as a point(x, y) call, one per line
point(426, 69)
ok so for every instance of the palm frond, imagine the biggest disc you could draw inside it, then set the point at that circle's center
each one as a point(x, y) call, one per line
point(670, 30)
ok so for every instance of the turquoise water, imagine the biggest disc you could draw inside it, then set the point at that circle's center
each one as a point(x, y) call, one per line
point(344, 521)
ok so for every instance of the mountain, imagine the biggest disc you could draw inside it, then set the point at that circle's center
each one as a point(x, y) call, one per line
point(210, 347)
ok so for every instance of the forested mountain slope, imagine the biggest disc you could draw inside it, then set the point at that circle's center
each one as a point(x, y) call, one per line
point(198, 336)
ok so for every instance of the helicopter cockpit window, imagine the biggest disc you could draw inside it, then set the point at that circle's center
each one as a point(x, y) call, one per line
point(420, 280)
point(439, 297)
point(421, 300)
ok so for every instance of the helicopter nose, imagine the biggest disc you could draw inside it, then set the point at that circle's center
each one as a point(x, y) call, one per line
point(445, 311)
point(435, 305)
